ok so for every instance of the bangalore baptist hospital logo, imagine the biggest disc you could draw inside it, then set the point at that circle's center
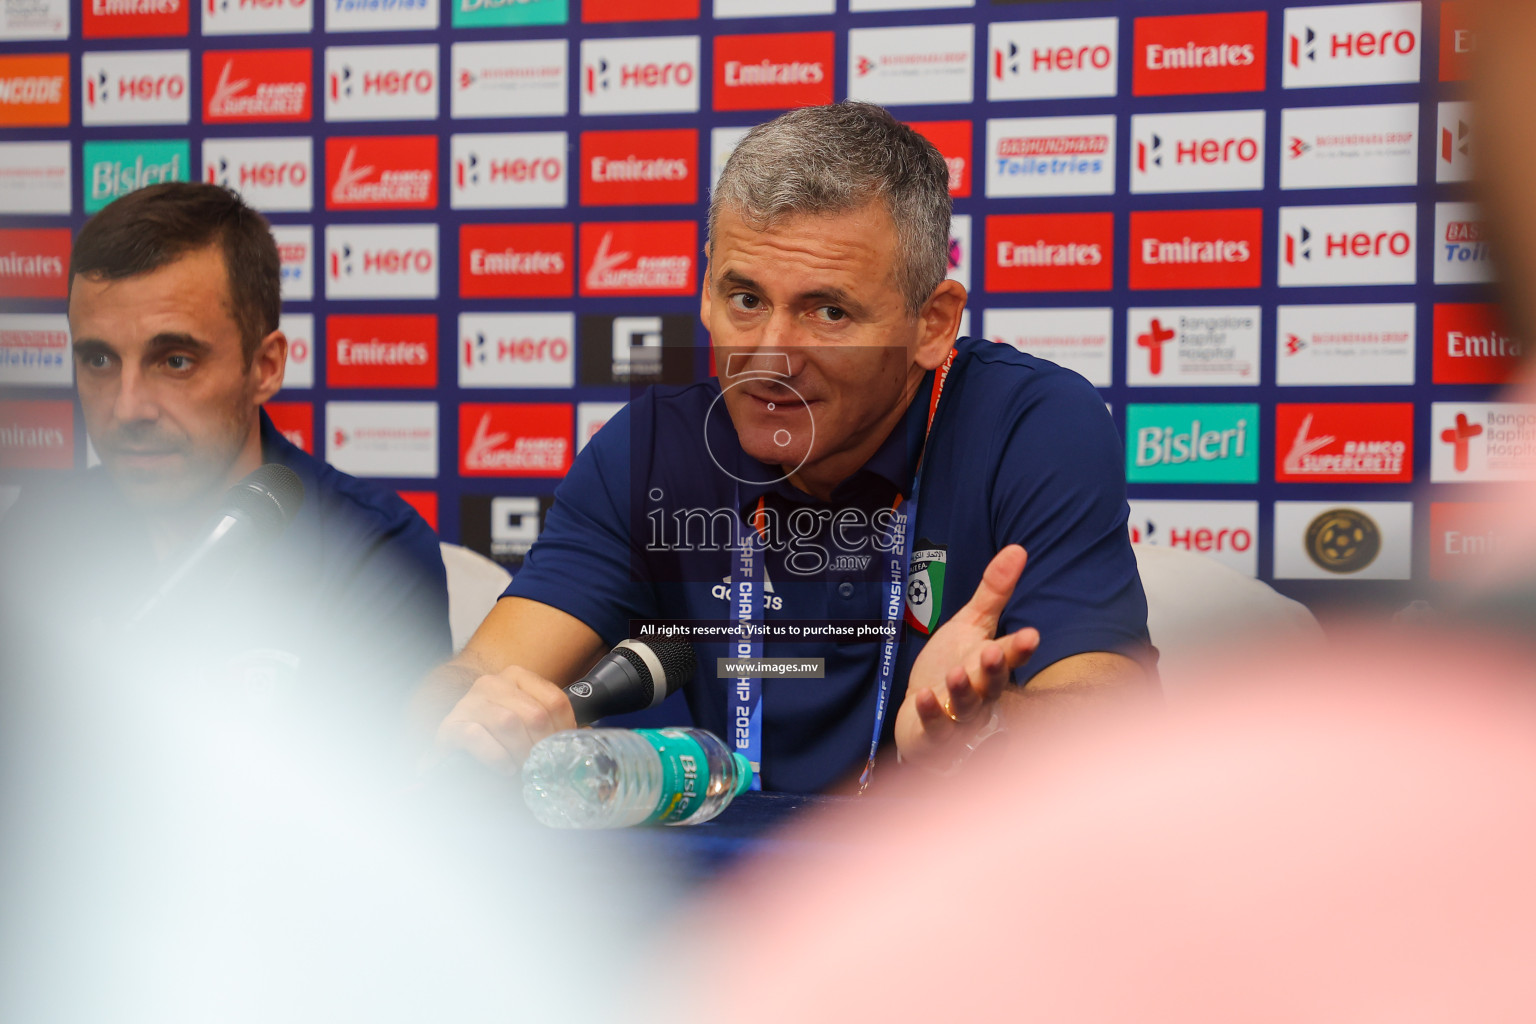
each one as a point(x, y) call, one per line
point(1153, 341)
point(1460, 437)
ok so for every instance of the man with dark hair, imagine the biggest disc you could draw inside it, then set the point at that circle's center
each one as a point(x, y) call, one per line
point(850, 453)
point(173, 307)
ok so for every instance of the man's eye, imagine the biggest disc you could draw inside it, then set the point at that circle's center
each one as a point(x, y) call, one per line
point(97, 361)
point(745, 301)
point(832, 313)
point(178, 363)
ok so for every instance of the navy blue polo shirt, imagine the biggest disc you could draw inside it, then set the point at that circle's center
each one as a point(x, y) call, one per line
point(1021, 451)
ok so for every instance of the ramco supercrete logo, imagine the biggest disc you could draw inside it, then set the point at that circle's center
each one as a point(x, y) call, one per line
point(1042, 156)
point(1352, 44)
point(638, 258)
point(527, 439)
point(386, 172)
point(1192, 443)
point(508, 171)
point(381, 83)
point(241, 86)
point(135, 87)
point(640, 76)
point(1031, 60)
point(1217, 152)
point(1344, 443)
point(1200, 53)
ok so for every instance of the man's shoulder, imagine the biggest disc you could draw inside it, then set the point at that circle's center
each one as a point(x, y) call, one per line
point(994, 372)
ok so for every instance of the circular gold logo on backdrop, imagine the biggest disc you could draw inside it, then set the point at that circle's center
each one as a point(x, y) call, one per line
point(1343, 540)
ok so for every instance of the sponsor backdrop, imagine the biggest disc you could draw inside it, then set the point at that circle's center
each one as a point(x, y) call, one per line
point(1245, 223)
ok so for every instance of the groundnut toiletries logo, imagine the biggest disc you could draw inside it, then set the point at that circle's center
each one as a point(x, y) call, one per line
point(135, 87)
point(1472, 345)
point(517, 350)
point(1043, 252)
point(638, 258)
point(1196, 248)
point(1352, 44)
point(242, 86)
point(34, 90)
point(640, 76)
point(117, 19)
point(35, 350)
point(623, 168)
point(1348, 245)
point(1462, 253)
point(1344, 443)
point(271, 174)
point(522, 440)
point(1200, 53)
point(381, 83)
point(771, 72)
point(516, 261)
point(1030, 60)
point(524, 169)
point(381, 351)
point(387, 172)
point(34, 263)
point(397, 261)
point(1036, 156)
point(1216, 152)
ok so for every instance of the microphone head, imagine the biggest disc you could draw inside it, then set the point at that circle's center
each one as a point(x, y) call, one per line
point(664, 665)
point(268, 498)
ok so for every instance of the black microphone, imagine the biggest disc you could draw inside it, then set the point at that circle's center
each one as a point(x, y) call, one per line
point(635, 675)
point(250, 516)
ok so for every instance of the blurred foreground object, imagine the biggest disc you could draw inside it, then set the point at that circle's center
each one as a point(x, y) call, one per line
point(1348, 840)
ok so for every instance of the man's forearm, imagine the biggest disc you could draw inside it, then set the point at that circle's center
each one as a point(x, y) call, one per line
point(1073, 686)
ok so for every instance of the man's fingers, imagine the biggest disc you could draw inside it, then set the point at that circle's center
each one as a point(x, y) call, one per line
point(1018, 646)
point(473, 739)
point(556, 705)
point(997, 584)
point(965, 697)
point(930, 712)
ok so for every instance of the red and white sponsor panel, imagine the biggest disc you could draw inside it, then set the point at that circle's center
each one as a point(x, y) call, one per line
point(1200, 53)
point(638, 258)
point(653, 75)
point(384, 439)
point(773, 72)
point(518, 170)
point(1470, 539)
point(909, 66)
point(135, 87)
point(1034, 60)
point(1079, 339)
point(378, 261)
point(526, 439)
point(1339, 345)
point(1051, 156)
point(381, 172)
point(1181, 347)
point(35, 178)
point(35, 350)
point(37, 434)
point(296, 252)
point(640, 167)
point(1453, 142)
point(1222, 151)
point(1176, 249)
point(510, 79)
point(381, 83)
point(244, 86)
point(1335, 246)
point(1227, 531)
point(1047, 252)
point(295, 421)
point(274, 175)
point(1482, 442)
point(591, 417)
point(34, 263)
point(953, 140)
point(381, 351)
point(121, 19)
point(1344, 442)
point(1458, 42)
point(1335, 540)
point(299, 329)
point(522, 261)
point(1349, 147)
point(1462, 252)
point(517, 350)
point(1473, 346)
point(1352, 44)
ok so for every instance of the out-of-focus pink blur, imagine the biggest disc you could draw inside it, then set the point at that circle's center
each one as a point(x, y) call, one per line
point(1352, 838)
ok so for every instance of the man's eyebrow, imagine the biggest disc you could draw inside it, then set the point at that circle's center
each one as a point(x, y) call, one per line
point(176, 339)
point(835, 296)
point(91, 347)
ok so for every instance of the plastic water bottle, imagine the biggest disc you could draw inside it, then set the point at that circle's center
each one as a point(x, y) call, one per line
point(614, 778)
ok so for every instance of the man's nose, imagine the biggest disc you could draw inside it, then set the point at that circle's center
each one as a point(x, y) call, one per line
point(136, 400)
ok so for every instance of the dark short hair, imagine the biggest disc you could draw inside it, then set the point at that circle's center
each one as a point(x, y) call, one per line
point(146, 229)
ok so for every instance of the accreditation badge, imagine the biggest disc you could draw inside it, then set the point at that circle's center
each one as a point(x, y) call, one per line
point(925, 586)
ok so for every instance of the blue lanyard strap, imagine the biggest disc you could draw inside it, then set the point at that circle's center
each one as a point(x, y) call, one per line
point(746, 597)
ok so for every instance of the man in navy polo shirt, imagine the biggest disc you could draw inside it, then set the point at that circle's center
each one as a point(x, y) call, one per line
point(173, 309)
point(850, 464)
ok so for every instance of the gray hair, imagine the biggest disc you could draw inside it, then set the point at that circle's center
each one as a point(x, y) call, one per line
point(837, 158)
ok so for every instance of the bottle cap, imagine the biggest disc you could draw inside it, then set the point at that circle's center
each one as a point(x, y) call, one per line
point(743, 774)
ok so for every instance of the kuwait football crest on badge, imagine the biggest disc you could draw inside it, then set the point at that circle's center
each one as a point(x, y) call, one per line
point(925, 587)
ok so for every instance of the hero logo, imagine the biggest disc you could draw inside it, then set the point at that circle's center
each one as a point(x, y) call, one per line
point(381, 83)
point(1196, 248)
point(509, 171)
point(766, 72)
point(654, 258)
point(515, 260)
point(381, 351)
point(1053, 59)
point(1364, 245)
point(271, 85)
point(1352, 44)
point(381, 261)
point(1462, 254)
point(256, 17)
point(382, 173)
point(141, 87)
point(521, 350)
point(525, 440)
point(271, 174)
point(1050, 252)
point(1455, 158)
point(630, 76)
point(1214, 152)
point(1223, 530)
point(1199, 53)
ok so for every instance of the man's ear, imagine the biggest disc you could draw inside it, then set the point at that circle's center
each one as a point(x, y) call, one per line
point(940, 323)
point(705, 303)
point(268, 364)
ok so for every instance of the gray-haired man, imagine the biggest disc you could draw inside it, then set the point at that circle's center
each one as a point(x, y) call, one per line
point(849, 455)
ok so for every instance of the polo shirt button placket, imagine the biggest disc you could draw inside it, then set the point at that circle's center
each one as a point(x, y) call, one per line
point(845, 589)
